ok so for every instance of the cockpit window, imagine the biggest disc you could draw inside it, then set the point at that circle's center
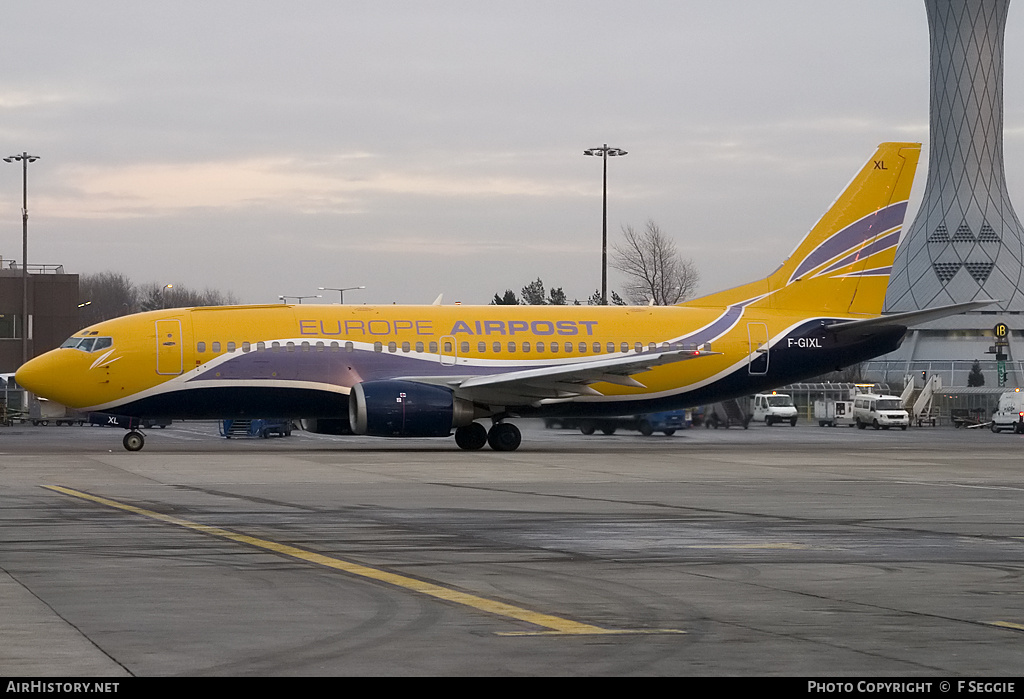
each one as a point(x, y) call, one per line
point(88, 344)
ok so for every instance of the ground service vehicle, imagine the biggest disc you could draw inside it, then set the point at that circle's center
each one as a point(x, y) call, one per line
point(1010, 413)
point(429, 371)
point(833, 413)
point(880, 412)
point(773, 407)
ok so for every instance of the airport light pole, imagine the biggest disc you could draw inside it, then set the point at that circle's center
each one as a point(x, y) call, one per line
point(341, 292)
point(299, 298)
point(25, 159)
point(605, 152)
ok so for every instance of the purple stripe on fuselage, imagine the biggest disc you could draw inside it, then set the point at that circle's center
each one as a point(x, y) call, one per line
point(852, 236)
point(335, 367)
point(719, 326)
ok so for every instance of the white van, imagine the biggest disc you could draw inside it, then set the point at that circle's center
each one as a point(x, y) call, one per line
point(774, 407)
point(1010, 415)
point(879, 411)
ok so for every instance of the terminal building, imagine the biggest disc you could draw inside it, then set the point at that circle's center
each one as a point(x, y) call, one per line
point(52, 312)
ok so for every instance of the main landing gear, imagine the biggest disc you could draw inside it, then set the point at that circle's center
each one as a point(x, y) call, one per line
point(503, 436)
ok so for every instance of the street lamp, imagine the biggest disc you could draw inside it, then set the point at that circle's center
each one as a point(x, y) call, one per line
point(341, 292)
point(605, 152)
point(299, 298)
point(163, 294)
point(25, 159)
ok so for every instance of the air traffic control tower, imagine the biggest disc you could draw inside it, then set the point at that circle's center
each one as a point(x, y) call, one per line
point(966, 242)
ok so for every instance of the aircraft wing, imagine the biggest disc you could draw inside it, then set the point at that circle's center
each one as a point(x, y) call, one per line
point(560, 381)
point(908, 318)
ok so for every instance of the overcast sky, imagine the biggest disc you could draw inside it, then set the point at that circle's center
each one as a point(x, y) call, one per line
point(268, 148)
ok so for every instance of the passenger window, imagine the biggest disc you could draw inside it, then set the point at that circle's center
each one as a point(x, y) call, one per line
point(406, 347)
point(481, 347)
point(378, 347)
point(419, 346)
point(464, 347)
point(215, 347)
point(511, 347)
point(260, 346)
point(611, 347)
point(231, 347)
point(246, 347)
point(200, 347)
point(392, 347)
point(540, 346)
point(497, 348)
point(433, 347)
point(526, 346)
point(583, 348)
point(349, 347)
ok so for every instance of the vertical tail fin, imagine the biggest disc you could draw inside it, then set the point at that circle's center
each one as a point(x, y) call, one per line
point(843, 264)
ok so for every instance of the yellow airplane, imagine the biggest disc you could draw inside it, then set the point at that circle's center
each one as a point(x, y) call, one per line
point(425, 371)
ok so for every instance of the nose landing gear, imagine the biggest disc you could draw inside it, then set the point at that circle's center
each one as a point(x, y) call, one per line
point(134, 440)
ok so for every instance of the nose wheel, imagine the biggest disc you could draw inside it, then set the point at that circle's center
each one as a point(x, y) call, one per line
point(134, 441)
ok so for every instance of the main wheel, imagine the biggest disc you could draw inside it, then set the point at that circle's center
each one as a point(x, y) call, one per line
point(504, 437)
point(133, 441)
point(471, 437)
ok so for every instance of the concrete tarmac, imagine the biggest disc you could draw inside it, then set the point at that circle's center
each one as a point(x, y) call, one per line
point(771, 551)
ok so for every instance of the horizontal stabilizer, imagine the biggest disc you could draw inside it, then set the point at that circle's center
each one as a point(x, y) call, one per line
point(909, 318)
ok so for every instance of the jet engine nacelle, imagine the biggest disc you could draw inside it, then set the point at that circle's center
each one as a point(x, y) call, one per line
point(406, 409)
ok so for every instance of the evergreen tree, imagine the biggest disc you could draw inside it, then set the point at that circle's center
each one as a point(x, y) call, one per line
point(976, 378)
point(508, 299)
point(533, 293)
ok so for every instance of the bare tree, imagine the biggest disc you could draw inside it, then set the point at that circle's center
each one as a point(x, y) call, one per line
point(653, 266)
point(111, 294)
point(106, 295)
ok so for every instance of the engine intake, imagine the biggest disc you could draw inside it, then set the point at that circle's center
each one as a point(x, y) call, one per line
point(406, 409)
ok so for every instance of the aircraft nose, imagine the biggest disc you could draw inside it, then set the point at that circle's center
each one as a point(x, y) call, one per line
point(41, 376)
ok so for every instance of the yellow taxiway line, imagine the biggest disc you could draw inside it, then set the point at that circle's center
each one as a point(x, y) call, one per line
point(553, 625)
